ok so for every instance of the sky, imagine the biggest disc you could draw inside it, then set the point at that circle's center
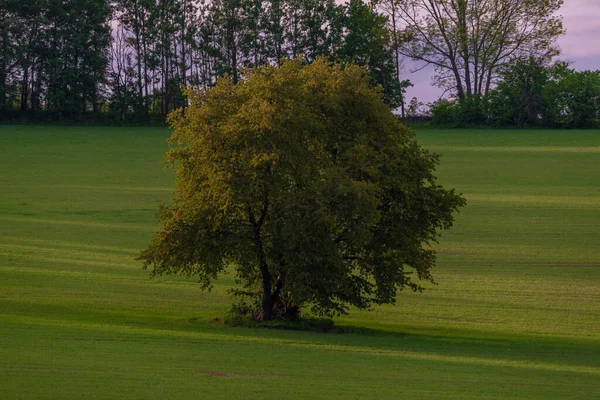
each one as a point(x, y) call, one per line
point(580, 45)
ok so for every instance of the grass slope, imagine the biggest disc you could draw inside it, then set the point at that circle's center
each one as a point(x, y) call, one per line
point(516, 313)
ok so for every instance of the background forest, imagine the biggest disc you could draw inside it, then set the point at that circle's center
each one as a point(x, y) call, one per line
point(128, 60)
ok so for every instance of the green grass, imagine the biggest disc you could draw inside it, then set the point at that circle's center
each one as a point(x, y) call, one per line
point(515, 314)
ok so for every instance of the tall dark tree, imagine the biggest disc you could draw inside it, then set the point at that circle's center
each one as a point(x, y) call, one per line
point(227, 18)
point(572, 98)
point(78, 37)
point(8, 22)
point(136, 17)
point(518, 98)
point(274, 30)
point(367, 43)
point(54, 53)
point(391, 9)
point(121, 77)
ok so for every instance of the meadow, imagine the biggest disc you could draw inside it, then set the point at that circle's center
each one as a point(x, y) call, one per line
point(515, 313)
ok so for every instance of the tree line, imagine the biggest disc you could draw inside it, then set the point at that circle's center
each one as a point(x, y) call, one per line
point(130, 59)
point(529, 93)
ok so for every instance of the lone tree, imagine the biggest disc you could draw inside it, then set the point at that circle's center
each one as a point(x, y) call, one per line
point(302, 179)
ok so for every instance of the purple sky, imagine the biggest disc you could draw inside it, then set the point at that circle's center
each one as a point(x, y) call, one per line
point(580, 45)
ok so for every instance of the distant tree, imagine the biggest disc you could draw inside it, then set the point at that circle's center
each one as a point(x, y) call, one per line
point(137, 21)
point(53, 54)
point(22, 25)
point(572, 98)
point(367, 42)
point(316, 28)
point(303, 180)
point(9, 22)
point(253, 37)
point(416, 110)
point(443, 111)
point(391, 8)
point(121, 77)
point(518, 98)
point(77, 36)
point(532, 92)
point(467, 41)
point(272, 23)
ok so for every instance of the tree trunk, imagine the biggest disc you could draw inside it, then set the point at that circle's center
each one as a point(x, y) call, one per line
point(463, 38)
point(35, 99)
point(488, 83)
point(3, 66)
point(459, 86)
point(234, 55)
point(3, 78)
point(183, 49)
point(138, 32)
point(397, 56)
point(25, 89)
point(267, 298)
point(144, 101)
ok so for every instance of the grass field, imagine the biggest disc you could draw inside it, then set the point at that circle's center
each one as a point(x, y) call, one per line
point(515, 314)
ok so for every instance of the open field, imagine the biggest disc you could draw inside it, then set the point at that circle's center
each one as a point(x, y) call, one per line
point(515, 314)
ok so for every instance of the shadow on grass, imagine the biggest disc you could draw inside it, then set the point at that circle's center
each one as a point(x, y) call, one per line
point(458, 346)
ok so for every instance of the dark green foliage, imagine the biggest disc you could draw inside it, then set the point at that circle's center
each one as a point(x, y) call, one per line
point(416, 111)
point(529, 93)
point(55, 54)
point(303, 180)
point(470, 111)
point(78, 37)
point(443, 112)
point(572, 98)
point(368, 43)
point(456, 113)
point(518, 98)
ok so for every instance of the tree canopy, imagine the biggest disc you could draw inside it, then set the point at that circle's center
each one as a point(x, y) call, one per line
point(301, 179)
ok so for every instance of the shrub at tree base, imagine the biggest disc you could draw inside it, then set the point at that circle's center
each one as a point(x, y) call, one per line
point(302, 180)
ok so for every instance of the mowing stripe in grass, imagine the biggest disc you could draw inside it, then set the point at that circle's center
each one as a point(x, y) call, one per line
point(107, 188)
point(91, 255)
point(521, 149)
point(45, 272)
point(49, 244)
point(120, 226)
point(579, 201)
